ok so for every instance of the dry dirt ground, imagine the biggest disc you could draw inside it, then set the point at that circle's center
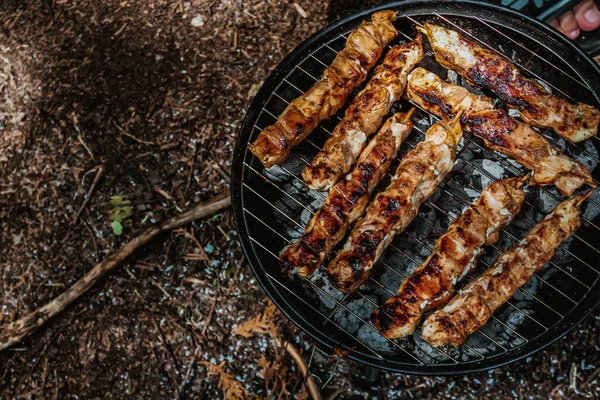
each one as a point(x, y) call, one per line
point(154, 91)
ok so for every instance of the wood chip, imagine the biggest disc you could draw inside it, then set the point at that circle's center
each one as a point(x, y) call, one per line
point(300, 10)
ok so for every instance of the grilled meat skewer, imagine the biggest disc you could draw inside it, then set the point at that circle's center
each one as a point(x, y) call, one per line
point(347, 71)
point(499, 131)
point(443, 99)
point(363, 116)
point(470, 309)
point(484, 68)
point(517, 140)
point(418, 175)
point(347, 200)
point(431, 285)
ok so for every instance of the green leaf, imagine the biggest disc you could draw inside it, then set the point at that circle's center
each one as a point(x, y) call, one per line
point(215, 217)
point(119, 201)
point(117, 227)
point(121, 209)
point(230, 271)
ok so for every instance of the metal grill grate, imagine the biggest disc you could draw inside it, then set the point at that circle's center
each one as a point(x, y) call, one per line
point(276, 205)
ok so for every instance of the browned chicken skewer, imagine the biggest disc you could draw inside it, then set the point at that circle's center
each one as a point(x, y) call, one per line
point(347, 71)
point(347, 200)
point(431, 285)
point(443, 99)
point(363, 116)
point(470, 309)
point(418, 175)
point(519, 141)
point(499, 131)
point(484, 68)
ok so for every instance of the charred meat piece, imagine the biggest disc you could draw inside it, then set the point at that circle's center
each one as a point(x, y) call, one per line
point(347, 71)
point(347, 200)
point(363, 116)
point(418, 175)
point(484, 68)
point(517, 140)
point(471, 308)
point(499, 131)
point(443, 99)
point(431, 285)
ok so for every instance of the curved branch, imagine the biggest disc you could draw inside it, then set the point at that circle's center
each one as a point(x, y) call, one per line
point(310, 382)
point(17, 330)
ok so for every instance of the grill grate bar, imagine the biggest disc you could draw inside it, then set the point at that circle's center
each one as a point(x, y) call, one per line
point(517, 172)
point(423, 244)
point(503, 161)
point(518, 64)
point(371, 279)
point(416, 333)
point(547, 136)
point(319, 61)
point(386, 265)
point(587, 153)
point(271, 277)
point(535, 54)
point(493, 178)
point(464, 203)
point(369, 324)
point(403, 253)
point(499, 52)
point(340, 304)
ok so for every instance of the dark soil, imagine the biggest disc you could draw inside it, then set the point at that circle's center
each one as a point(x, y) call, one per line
point(157, 100)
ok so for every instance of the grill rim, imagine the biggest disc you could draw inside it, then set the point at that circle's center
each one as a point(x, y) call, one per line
point(325, 342)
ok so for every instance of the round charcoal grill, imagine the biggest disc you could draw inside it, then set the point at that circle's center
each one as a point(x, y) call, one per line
point(272, 206)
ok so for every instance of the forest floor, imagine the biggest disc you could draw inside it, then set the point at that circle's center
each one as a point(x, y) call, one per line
point(154, 92)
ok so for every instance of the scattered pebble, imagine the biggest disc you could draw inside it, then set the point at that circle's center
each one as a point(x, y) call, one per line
point(198, 21)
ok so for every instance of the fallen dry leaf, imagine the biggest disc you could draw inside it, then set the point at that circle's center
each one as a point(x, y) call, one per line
point(231, 387)
point(263, 323)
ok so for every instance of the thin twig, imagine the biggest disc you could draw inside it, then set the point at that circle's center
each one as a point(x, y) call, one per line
point(169, 146)
point(170, 357)
point(54, 336)
point(312, 386)
point(189, 180)
point(339, 391)
point(56, 384)
point(188, 375)
point(212, 309)
point(88, 196)
point(17, 330)
point(223, 232)
point(75, 122)
point(223, 173)
point(87, 228)
point(593, 376)
point(129, 135)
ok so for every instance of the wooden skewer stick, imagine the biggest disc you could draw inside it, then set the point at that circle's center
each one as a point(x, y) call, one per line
point(313, 389)
point(13, 333)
